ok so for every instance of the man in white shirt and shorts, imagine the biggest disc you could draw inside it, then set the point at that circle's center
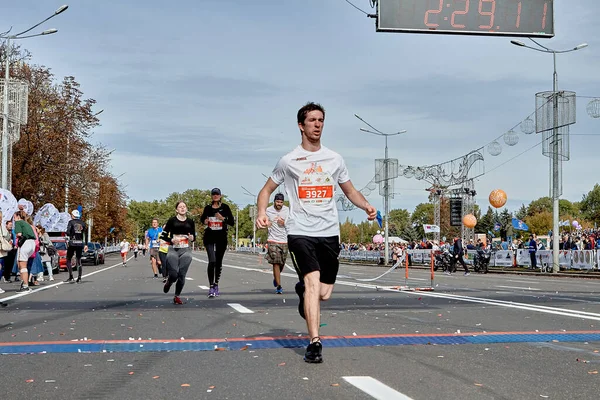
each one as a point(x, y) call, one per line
point(277, 240)
point(310, 173)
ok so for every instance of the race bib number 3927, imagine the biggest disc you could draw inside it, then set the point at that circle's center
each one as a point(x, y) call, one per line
point(315, 194)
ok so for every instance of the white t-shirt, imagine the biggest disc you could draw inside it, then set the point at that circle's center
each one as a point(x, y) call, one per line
point(310, 181)
point(124, 246)
point(277, 233)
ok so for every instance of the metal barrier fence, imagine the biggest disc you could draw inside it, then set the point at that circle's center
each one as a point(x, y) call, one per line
point(569, 259)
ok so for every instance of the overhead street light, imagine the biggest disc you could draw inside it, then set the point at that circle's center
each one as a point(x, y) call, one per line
point(8, 37)
point(386, 187)
point(556, 166)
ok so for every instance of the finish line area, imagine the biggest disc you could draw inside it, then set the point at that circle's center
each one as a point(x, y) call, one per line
point(471, 335)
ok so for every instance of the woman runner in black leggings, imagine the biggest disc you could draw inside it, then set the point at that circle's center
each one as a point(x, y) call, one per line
point(178, 232)
point(216, 217)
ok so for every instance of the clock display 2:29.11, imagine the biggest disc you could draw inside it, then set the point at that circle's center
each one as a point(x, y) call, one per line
point(482, 16)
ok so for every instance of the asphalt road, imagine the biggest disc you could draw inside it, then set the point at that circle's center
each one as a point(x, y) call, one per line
point(117, 336)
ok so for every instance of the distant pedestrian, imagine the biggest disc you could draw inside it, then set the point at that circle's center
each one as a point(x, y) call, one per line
point(124, 245)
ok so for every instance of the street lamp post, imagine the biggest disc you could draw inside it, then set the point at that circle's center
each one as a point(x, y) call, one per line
point(386, 187)
point(555, 173)
point(253, 216)
point(5, 138)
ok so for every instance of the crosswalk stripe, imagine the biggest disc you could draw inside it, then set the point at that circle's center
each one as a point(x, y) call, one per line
point(374, 388)
point(240, 308)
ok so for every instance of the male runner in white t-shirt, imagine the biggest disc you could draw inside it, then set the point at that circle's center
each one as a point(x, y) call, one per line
point(277, 239)
point(310, 173)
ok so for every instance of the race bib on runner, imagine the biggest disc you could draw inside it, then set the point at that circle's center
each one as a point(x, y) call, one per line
point(215, 224)
point(164, 246)
point(315, 188)
point(183, 242)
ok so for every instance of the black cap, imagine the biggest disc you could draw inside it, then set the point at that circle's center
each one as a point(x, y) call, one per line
point(215, 191)
point(279, 196)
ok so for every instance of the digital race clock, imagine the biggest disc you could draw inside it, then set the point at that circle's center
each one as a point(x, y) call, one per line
point(532, 18)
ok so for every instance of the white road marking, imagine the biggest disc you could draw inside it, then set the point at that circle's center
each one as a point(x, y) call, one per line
point(517, 281)
point(500, 303)
point(517, 287)
point(203, 287)
point(57, 284)
point(240, 308)
point(374, 388)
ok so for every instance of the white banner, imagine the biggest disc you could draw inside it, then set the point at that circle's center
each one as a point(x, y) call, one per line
point(564, 258)
point(583, 259)
point(503, 258)
point(431, 228)
point(523, 258)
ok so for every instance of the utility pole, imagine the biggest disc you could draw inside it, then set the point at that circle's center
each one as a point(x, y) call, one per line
point(390, 172)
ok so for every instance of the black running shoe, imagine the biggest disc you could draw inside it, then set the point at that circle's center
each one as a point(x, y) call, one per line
point(313, 353)
point(70, 280)
point(78, 280)
point(300, 292)
point(167, 286)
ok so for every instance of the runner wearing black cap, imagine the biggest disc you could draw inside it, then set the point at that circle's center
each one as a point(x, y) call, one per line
point(216, 217)
point(277, 241)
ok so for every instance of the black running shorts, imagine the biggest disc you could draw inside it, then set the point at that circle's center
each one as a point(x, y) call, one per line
point(315, 254)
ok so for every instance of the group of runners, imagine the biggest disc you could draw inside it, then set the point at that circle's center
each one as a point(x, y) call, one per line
point(308, 229)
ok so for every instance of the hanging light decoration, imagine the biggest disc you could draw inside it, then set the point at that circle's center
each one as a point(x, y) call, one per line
point(494, 148)
point(528, 126)
point(593, 108)
point(409, 172)
point(419, 174)
point(511, 138)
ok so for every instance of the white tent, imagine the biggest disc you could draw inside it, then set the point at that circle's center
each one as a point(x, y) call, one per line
point(396, 239)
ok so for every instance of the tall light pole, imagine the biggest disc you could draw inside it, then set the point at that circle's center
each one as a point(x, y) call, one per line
point(253, 216)
point(8, 37)
point(555, 173)
point(386, 187)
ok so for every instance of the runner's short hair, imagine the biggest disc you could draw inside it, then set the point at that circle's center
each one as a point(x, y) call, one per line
point(308, 107)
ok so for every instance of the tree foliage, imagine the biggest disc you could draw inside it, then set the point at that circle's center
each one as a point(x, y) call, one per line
point(55, 151)
point(590, 205)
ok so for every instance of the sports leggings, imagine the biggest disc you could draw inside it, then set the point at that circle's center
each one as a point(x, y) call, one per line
point(215, 252)
point(74, 251)
point(163, 264)
point(178, 262)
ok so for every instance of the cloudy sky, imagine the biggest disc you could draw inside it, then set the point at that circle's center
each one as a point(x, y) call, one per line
point(202, 93)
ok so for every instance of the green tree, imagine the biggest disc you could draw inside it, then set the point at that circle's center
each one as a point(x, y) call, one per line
point(399, 221)
point(486, 222)
point(422, 215)
point(540, 223)
point(590, 205)
point(349, 232)
point(540, 205)
point(522, 212)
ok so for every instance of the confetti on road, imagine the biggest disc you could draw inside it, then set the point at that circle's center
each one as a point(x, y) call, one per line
point(593, 372)
point(131, 373)
point(478, 384)
point(335, 384)
point(29, 380)
point(305, 378)
point(220, 349)
point(185, 385)
point(155, 377)
point(281, 364)
point(544, 396)
point(244, 348)
point(212, 387)
point(49, 381)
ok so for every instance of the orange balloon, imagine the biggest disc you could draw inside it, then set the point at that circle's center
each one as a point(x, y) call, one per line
point(498, 198)
point(469, 221)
